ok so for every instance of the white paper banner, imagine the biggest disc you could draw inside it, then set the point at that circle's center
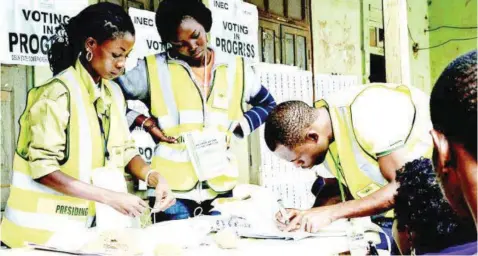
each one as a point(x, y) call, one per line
point(27, 26)
point(148, 41)
point(234, 28)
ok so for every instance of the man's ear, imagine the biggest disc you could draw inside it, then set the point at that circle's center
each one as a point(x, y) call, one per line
point(312, 136)
point(441, 154)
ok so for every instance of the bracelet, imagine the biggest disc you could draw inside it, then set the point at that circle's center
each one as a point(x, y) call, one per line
point(144, 121)
point(147, 177)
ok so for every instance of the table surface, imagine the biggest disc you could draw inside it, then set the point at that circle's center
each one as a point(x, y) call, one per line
point(309, 246)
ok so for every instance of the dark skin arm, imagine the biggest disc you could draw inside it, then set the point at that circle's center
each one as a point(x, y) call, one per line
point(150, 125)
point(380, 201)
point(122, 202)
point(164, 197)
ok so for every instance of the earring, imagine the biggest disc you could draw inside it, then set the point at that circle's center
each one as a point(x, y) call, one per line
point(89, 55)
point(413, 252)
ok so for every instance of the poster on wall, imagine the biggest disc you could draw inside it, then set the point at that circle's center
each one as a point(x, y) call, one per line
point(147, 38)
point(234, 28)
point(27, 26)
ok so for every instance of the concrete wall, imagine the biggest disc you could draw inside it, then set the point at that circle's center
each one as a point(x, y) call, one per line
point(336, 37)
point(460, 13)
point(337, 28)
point(14, 84)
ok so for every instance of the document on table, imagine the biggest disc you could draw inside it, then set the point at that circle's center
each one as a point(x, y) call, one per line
point(336, 229)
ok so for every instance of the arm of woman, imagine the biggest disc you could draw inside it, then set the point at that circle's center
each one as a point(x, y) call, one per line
point(135, 86)
point(164, 196)
point(262, 103)
point(48, 122)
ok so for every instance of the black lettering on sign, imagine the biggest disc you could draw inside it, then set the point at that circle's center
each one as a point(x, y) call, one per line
point(45, 17)
point(221, 4)
point(156, 45)
point(24, 43)
point(236, 47)
point(12, 40)
point(144, 21)
point(49, 30)
point(234, 27)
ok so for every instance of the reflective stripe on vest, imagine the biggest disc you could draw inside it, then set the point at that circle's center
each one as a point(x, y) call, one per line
point(43, 221)
point(84, 143)
point(177, 103)
point(34, 210)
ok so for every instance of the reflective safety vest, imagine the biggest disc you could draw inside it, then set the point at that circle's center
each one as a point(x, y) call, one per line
point(178, 104)
point(348, 158)
point(34, 211)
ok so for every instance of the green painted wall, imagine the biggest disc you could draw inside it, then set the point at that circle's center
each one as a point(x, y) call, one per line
point(418, 21)
point(460, 13)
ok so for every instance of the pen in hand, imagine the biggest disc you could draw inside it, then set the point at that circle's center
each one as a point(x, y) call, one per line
point(285, 216)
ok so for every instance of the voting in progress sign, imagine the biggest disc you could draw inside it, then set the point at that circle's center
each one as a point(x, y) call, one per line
point(234, 28)
point(27, 26)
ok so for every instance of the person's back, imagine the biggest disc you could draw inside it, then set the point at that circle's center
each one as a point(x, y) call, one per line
point(453, 113)
point(363, 135)
point(371, 122)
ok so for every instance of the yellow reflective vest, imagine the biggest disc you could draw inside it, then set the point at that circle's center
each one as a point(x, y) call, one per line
point(349, 157)
point(34, 211)
point(179, 106)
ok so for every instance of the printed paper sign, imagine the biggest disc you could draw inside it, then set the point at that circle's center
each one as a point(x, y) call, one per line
point(234, 28)
point(27, 26)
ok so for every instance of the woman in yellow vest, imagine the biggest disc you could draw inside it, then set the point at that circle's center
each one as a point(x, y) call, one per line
point(362, 135)
point(73, 124)
point(192, 88)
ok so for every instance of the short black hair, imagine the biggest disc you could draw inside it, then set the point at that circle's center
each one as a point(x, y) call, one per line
point(453, 102)
point(421, 208)
point(171, 13)
point(287, 122)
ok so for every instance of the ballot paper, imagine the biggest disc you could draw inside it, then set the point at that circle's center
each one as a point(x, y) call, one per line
point(106, 216)
point(208, 153)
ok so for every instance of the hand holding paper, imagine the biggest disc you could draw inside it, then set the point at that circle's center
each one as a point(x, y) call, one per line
point(164, 196)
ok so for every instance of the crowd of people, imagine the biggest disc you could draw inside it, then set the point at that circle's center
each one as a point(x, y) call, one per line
point(404, 158)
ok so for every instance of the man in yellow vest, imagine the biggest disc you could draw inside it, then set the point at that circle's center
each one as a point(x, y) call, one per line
point(362, 135)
